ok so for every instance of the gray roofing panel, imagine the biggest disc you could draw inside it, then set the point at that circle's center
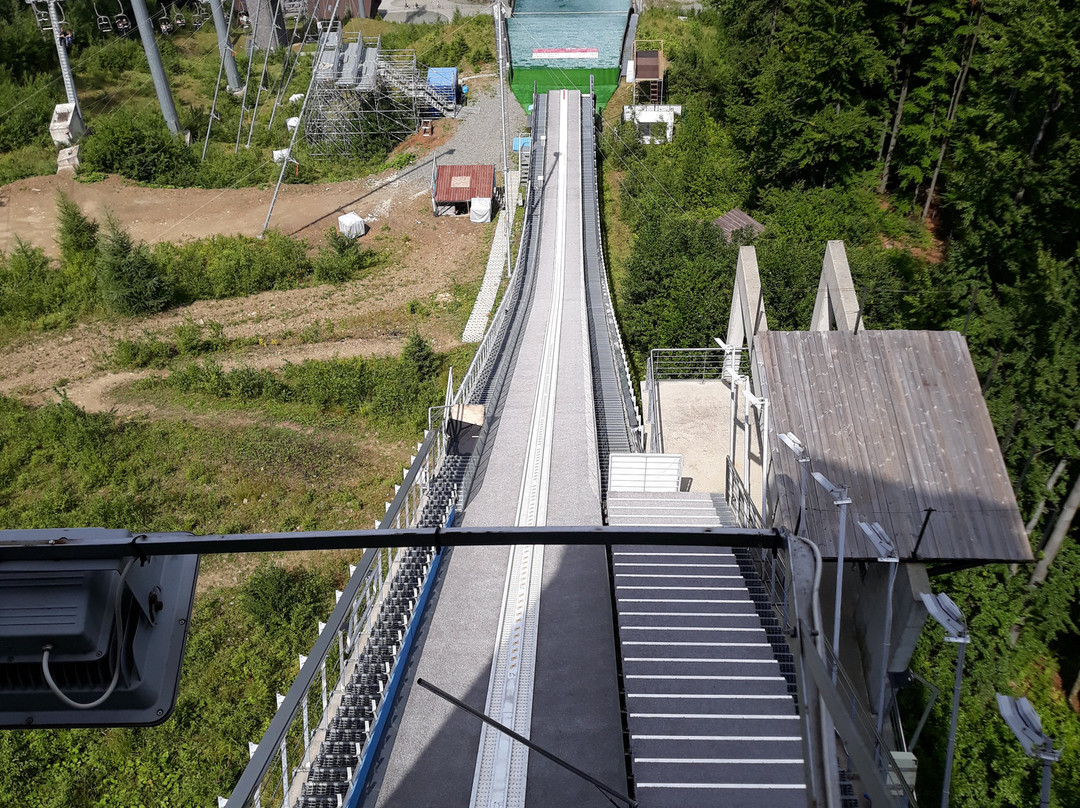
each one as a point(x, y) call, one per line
point(899, 417)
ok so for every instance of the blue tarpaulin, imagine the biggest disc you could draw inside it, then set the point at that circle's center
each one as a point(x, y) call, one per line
point(443, 80)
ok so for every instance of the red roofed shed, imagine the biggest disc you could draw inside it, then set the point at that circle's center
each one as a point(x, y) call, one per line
point(454, 187)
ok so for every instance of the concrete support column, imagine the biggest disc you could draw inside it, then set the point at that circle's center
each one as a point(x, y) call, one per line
point(221, 25)
point(157, 71)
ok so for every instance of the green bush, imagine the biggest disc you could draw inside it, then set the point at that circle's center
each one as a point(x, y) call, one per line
point(29, 286)
point(76, 232)
point(229, 266)
point(137, 145)
point(128, 278)
point(224, 169)
point(277, 598)
point(341, 259)
point(419, 356)
point(147, 351)
point(28, 110)
point(126, 54)
point(397, 391)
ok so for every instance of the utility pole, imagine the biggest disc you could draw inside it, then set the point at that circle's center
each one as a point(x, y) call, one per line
point(221, 25)
point(509, 201)
point(157, 71)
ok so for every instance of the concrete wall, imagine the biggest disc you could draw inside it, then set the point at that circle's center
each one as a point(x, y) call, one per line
point(868, 590)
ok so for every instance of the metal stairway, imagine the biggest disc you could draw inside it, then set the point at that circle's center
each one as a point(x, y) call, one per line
point(668, 508)
point(399, 70)
point(709, 709)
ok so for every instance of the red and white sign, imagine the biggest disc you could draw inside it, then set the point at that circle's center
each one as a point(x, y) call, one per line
point(565, 53)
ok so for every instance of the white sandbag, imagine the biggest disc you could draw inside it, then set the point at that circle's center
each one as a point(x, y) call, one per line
point(352, 224)
point(480, 209)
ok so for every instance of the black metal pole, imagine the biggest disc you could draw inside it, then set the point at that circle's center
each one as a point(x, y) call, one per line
point(90, 543)
point(922, 532)
point(610, 792)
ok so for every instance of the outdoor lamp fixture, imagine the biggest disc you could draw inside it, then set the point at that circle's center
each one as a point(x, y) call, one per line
point(731, 359)
point(803, 457)
point(1026, 726)
point(886, 555)
point(841, 500)
point(950, 618)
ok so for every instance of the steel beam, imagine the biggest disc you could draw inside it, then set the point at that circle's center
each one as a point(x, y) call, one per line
point(83, 543)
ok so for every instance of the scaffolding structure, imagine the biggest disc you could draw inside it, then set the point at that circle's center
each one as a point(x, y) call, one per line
point(364, 95)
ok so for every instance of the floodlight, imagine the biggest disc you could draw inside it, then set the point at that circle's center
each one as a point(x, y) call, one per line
point(947, 614)
point(795, 445)
point(881, 541)
point(90, 643)
point(1022, 719)
point(1026, 726)
point(838, 493)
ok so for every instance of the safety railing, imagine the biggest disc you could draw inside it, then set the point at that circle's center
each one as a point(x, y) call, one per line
point(702, 364)
point(500, 334)
point(631, 410)
point(739, 498)
point(842, 742)
point(280, 761)
point(861, 750)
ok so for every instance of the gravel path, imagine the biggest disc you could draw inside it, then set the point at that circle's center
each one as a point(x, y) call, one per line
point(476, 139)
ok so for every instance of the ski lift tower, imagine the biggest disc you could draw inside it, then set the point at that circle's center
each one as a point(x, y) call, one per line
point(67, 122)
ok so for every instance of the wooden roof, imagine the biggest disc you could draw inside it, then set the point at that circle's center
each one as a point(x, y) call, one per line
point(648, 65)
point(734, 220)
point(462, 183)
point(899, 417)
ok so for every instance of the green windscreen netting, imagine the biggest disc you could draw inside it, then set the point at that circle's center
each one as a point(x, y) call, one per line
point(559, 43)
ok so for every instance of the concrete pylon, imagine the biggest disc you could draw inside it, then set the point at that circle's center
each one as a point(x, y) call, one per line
point(221, 26)
point(269, 24)
point(157, 71)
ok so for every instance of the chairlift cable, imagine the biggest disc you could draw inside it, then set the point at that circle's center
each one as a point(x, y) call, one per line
point(217, 87)
point(250, 47)
point(284, 87)
point(292, 141)
point(262, 76)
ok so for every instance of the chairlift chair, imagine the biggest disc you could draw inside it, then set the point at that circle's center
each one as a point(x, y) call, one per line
point(122, 23)
point(104, 24)
point(41, 17)
point(178, 18)
point(165, 24)
point(197, 19)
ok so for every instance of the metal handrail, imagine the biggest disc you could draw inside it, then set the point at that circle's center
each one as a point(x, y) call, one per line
point(502, 325)
point(353, 610)
point(739, 498)
point(631, 409)
point(687, 363)
point(866, 738)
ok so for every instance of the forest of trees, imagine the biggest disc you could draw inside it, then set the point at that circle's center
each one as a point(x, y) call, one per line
point(940, 139)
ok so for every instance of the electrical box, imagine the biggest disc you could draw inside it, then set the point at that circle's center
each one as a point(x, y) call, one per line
point(70, 609)
point(67, 125)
